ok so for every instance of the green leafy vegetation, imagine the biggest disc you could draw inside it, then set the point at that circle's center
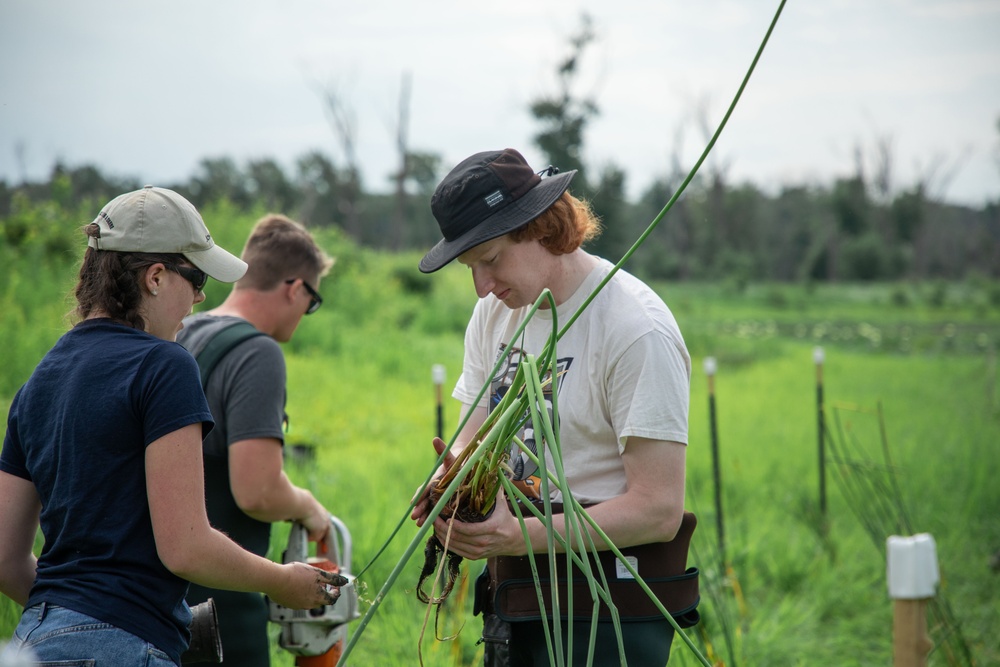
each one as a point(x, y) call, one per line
point(805, 591)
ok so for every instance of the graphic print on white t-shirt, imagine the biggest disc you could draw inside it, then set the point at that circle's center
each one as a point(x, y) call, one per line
point(524, 472)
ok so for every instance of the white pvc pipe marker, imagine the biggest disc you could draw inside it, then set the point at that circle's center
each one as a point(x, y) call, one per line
point(912, 573)
point(912, 567)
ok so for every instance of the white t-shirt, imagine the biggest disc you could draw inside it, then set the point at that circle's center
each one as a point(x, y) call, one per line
point(623, 371)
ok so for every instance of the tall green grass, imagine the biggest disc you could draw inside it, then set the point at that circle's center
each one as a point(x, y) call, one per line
point(811, 596)
point(360, 393)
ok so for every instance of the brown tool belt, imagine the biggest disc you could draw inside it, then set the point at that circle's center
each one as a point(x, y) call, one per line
point(662, 566)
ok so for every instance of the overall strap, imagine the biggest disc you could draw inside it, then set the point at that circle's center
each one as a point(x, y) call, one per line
point(221, 344)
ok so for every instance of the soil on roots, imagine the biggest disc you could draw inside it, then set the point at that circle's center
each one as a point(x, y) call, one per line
point(458, 507)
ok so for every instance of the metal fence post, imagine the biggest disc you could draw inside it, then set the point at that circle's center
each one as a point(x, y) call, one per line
point(818, 357)
point(710, 368)
point(437, 376)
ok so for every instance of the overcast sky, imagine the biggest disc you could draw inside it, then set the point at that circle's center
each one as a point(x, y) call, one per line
point(147, 90)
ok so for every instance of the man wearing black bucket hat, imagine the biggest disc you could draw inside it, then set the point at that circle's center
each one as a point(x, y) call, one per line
point(623, 395)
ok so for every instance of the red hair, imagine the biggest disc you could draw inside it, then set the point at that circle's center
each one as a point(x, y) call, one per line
point(563, 227)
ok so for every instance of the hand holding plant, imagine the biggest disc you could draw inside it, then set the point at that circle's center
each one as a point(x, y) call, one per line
point(422, 502)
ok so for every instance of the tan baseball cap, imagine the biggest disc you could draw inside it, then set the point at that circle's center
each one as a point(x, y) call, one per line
point(159, 220)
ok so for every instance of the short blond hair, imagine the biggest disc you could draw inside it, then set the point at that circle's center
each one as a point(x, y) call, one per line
point(278, 249)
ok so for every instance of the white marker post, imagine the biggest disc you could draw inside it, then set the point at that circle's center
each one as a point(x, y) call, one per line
point(912, 573)
point(437, 377)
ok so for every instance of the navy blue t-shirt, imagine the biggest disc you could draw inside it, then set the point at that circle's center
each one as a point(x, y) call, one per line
point(78, 430)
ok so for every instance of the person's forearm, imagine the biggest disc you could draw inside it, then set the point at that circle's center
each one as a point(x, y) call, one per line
point(19, 512)
point(191, 548)
point(213, 560)
point(281, 501)
point(261, 488)
point(207, 557)
point(16, 578)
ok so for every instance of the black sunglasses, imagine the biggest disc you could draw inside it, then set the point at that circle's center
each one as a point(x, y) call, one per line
point(196, 277)
point(315, 299)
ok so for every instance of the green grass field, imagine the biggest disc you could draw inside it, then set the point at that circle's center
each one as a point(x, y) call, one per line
point(810, 592)
point(801, 589)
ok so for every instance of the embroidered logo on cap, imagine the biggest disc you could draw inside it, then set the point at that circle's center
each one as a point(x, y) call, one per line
point(494, 198)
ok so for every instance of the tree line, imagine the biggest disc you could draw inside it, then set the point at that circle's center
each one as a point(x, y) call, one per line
point(857, 228)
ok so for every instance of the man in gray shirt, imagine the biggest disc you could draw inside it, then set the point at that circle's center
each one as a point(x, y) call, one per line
point(246, 487)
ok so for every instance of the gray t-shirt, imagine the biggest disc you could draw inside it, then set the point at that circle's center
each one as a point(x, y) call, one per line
point(246, 392)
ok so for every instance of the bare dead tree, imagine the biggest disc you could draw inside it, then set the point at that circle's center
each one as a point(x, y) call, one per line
point(564, 116)
point(859, 162)
point(882, 160)
point(403, 154)
point(20, 156)
point(932, 181)
point(996, 147)
point(721, 228)
point(718, 165)
point(880, 185)
point(343, 121)
point(936, 174)
point(682, 242)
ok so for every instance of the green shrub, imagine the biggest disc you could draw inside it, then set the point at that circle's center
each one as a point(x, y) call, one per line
point(360, 390)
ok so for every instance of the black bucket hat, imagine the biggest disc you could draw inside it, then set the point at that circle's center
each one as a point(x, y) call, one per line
point(486, 196)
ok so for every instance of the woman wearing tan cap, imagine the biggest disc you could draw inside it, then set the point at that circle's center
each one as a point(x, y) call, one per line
point(103, 452)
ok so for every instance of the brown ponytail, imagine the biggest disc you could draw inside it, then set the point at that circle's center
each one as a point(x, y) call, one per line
point(109, 282)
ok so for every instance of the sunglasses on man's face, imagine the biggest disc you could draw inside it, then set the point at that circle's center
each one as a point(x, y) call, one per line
point(315, 300)
point(196, 277)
